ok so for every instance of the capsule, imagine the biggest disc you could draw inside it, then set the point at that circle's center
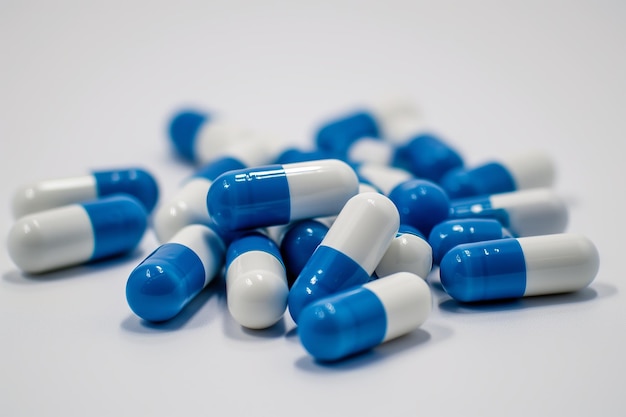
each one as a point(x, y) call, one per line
point(421, 203)
point(52, 193)
point(278, 194)
point(299, 242)
point(408, 252)
point(451, 233)
point(376, 121)
point(519, 267)
point(532, 169)
point(350, 251)
point(536, 211)
point(361, 318)
point(201, 138)
point(292, 155)
point(383, 177)
point(424, 155)
point(256, 281)
point(189, 204)
point(77, 233)
point(166, 281)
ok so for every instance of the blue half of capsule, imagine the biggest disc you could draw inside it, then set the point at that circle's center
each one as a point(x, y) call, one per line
point(336, 137)
point(137, 182)
point(484, 271)
point(427, 156)
point(328, 271)
point(477, 207)
point(299, 243)
point(450, 233)
point(491, 178)
point(343, 324)
point(291, 155)
point(183, 130)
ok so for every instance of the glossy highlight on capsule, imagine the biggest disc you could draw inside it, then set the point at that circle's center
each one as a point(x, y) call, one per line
point(519, 267)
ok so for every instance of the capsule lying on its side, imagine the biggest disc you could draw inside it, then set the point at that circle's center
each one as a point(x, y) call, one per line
point(536, 211)
point(513, 268)
point(360, 318)
point(278, 194)
point(350, 251)
point(408, 252)
point(451, 233)
point(77, 233)
point(189, 204)
point(532, 169)
point(384, 178)
point(256, 281)
point(171, 276)
point(48, 194)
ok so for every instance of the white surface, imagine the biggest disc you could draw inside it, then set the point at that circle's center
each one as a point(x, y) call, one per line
point(85, 86)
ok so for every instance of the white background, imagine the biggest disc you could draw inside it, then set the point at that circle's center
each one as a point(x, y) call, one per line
point(85, 87)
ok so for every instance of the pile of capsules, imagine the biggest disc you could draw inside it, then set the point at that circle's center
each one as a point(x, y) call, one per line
point(343, 236)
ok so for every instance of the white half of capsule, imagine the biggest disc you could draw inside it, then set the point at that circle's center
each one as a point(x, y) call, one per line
point(384, 177)
point(47, 194)
point(393, 110)
point(559, 263)
point(187, 207)
point(205, 243)
point(51, 239)
point(364, 229)
point(531, 169)
point(213, 137)
point(406, 253)
point(256, 289)
point(407, 301)
point(327, 191)
point(371, 150)
point(537, 211)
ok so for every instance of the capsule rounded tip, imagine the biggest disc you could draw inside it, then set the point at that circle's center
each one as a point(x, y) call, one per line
point(257, 300)
point(421, 204)
point(455, 274)
point(183, 129)
point(299, 243)
point(155, 291)
point(26, 245)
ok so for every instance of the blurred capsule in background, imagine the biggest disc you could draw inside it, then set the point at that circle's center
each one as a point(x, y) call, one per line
point(200, 137)
point(384, 178)
point(450, 233)
point(278, 194)
point(519, 267)
point(536, 211)
point(256, 281)
point(349, 252)
point(170, 277)
point(51, 193)
point(362, 317)
point(294, 154)
point(531, 169)
point(421, 204)
point(376, 120)
point(189, 206)
point(77, 233)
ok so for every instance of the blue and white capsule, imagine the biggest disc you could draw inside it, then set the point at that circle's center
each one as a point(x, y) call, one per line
point(531, 169)
point(378, 120)
point(160, 287)
point(57, 192)
point(77, 233)
point(519, 267)
point(421, 203)
point(350, 251)
point(189, 206)
point(363, 317)
point(451, 233)
point(408, 252)
point(201, 138)
point(424, 155)
point(536, 211)
point(278, 194)
point(256, 281)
